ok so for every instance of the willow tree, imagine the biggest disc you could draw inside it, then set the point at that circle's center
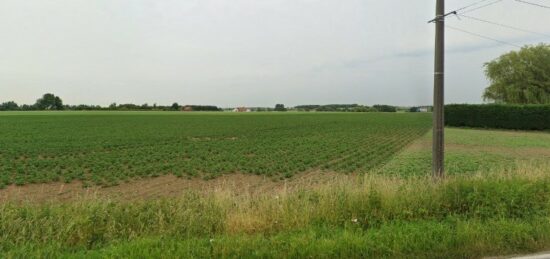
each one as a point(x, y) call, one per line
point(520, 77)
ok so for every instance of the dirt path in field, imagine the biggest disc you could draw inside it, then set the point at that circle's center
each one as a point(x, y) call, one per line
point(163, 186)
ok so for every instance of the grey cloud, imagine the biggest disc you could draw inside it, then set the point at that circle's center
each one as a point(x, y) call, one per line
point(243, 52)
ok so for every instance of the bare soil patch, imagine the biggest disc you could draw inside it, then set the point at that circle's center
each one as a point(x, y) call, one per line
point(166, 186)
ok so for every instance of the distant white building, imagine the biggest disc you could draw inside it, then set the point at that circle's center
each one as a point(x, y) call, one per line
point(241, 109)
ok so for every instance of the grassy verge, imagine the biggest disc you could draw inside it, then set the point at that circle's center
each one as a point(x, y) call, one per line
point(470, 151)
point(372, 216)
point(420, 239)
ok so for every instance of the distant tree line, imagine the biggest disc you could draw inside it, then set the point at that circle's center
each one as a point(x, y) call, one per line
point(346, 108)
point(202, 108)
point(52, 102)
point(46, 102)
point(261, 109)
point(9, 106)
point(55, 103)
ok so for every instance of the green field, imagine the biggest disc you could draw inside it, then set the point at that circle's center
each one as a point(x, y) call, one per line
point(103, 148)
point(470, 151)
point(376, 199)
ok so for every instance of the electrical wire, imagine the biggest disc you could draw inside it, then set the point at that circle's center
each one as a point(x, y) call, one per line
point(455, 12)
point(533, 4)
point(467, 9)
point(503, 25)
point(483, 6)
point(471, 5)
point(482, 36)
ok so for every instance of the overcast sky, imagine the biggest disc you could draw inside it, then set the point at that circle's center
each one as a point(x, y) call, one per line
point(249, 52)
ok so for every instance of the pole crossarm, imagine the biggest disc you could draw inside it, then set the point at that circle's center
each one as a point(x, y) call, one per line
point(441, 17)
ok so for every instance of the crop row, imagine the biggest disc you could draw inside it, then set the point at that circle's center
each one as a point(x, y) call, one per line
point(106, 150)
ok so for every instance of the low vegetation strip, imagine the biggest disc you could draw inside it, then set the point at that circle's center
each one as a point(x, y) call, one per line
point(518, 117)
point(468, 151)
point(371, 216)
point(100, 148)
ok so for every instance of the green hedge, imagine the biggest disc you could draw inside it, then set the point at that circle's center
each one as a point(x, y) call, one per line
point(520, 117)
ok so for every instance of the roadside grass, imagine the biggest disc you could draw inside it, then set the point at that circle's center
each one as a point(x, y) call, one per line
point(366, 216)
point(421, 239)
point(501, 138)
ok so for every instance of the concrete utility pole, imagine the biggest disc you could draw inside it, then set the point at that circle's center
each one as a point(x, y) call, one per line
point(438, 148)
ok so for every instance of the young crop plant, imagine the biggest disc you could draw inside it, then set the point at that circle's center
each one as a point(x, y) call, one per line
point(101, 149)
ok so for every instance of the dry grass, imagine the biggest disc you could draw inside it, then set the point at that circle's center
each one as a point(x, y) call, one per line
point(341, 202)
point(167, 186)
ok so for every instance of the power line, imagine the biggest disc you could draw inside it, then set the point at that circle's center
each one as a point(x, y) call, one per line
point(455, 12)
point(468, 6)
point(533, 4)
point(482, 36)
point(503, 25)
point(483, 6)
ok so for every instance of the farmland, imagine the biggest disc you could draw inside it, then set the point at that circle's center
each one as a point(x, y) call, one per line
point(357, 187)
point(109, 148)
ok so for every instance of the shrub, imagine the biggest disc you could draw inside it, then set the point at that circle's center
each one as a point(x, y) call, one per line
point(385, 108)
point(519, 117)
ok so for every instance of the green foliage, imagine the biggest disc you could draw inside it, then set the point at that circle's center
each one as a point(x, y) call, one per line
point(311, 107)
point(330, 107)
point(175, 106)
point(103, 148)
point(520, 77)
point(423, 239)
point(519, 117)
point(49, 102)
point(203, 108)
point(336, 108)
point(9, 106)
point(280, 108)
point(418, 163)
point(52, 102)
point(385, 108)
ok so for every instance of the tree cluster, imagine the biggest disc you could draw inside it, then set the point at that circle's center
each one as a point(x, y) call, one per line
point(9, 106)
point(385, 108)
point(520, 77)
point(280, 108)
point(46, 102)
